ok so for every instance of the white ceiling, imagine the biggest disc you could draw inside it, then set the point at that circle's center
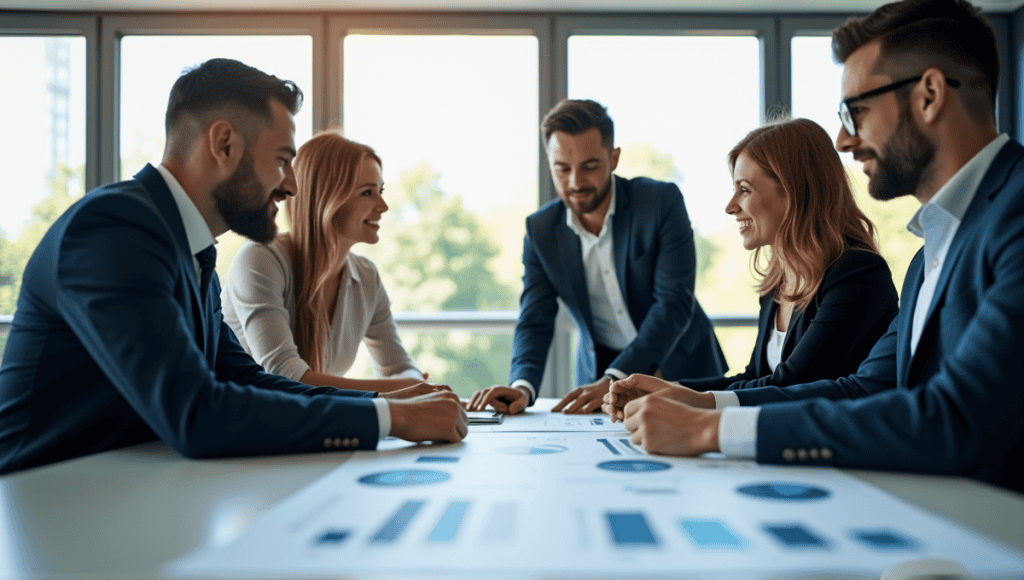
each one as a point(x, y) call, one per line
point(833, 6)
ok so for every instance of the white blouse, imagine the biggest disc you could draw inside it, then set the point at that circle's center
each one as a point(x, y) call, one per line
point(774, 347)
point(259, 305)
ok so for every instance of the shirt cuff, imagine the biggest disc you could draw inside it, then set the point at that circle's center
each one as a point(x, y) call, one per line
point(383, 417)
point(737, 432)
point(529, 387)
point(724, 399)
point(619, 375)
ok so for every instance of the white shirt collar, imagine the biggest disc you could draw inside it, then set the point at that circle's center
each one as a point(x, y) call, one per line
point(196, 229)
point(955, 196)
point(573, 221)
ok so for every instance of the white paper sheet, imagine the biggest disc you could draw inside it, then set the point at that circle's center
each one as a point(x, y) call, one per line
point(538, 418)
point(580, 505)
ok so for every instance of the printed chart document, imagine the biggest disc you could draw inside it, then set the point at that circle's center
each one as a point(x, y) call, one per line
point(586, 505)
point(539, 418)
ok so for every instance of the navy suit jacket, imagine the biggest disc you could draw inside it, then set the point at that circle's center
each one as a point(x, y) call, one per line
point(957, 405)
point(828, 339)
point(113, 345)
point(655, 264)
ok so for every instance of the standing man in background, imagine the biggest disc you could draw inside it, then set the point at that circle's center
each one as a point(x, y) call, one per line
point(620, 255)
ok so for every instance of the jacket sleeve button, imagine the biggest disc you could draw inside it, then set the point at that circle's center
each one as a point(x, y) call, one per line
point(788, 454)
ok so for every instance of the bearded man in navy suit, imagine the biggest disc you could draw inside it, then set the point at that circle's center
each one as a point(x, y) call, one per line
point(118, 336)
point(619, 253)
point(942, 390)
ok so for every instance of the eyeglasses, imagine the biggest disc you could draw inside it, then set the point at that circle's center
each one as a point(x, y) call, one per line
point(844, 107)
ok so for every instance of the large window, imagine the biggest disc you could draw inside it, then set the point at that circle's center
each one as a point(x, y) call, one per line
point(43, 150)
point(151, 64)
point(454, 119)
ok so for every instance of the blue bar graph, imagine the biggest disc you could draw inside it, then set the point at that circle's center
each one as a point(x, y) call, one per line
point(630, 529)
point(398, 522)
point(437, 459)
point(796, 536)
point(449, 523)
point(628, 445)
point(333, 537)
point(610, 447)
point(710, 534)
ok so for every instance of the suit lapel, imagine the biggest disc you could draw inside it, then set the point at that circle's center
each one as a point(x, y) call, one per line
point(994, 181)
point(622, 225)
point(154, 183)
point(904, 328)
point(567, 246)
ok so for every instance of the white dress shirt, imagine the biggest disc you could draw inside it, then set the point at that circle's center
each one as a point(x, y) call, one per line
point(612, 325)
point(936, 221)
point(773, 350)
point(199, 237)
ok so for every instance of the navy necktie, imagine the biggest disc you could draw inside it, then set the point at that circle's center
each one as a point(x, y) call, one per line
point(207, 260)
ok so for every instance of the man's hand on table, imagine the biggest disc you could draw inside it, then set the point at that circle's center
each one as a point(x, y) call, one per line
point(584, 399)
point(508, 400)
point(667, 427)
point(436, 416)
point(636, 386)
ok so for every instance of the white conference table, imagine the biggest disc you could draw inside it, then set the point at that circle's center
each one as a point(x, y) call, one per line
point(126, 513)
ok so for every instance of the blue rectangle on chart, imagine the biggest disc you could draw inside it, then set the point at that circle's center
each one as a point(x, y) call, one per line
point(333, 537)
point(449, 523)
point(795, 536)
point(631, 529)
point(398, 522)
point(710, 534)
point(610, 447)
point(597, 421)
point(437, 459)
point(884, 539)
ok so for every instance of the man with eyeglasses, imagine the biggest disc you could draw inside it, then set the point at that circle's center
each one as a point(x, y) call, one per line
point(942, 390)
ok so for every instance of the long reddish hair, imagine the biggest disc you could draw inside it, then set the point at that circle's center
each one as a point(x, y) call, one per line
point(326, 169)
point(822, 221)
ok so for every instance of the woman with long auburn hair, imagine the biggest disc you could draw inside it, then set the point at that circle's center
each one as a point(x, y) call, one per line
point(301, 304)
point(827, 295)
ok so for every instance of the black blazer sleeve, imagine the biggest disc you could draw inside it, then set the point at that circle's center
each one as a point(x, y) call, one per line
point(829, 339)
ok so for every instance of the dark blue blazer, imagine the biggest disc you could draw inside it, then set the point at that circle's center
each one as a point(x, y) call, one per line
point(113, 345)
point(655, 265)
point(827, 339)
point(957, 405)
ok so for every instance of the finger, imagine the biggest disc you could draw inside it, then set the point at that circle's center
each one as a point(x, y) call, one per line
point(499, 404)
point(566, 400)
point(637, 438)
point(592, 406)
point(518, 406)
point(426, 376)
point(474, 403)
point(609, 410)
point(578, 404)
point(443, 388)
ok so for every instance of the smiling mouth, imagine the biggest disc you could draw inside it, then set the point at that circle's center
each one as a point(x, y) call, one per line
point(374, 223)
point(745, 225)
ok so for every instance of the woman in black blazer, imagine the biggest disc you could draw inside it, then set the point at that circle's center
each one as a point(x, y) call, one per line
point(827, 295)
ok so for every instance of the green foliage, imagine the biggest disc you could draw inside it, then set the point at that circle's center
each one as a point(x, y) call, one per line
point(14, 254)
point(440, 257)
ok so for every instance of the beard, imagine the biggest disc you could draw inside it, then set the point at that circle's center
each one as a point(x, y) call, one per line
point(907, 159)
point(596, 200)
point(239, 201)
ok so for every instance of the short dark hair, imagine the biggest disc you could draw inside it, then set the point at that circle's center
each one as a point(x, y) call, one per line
point(225, 87)
point(951, 35)
point(577, 116)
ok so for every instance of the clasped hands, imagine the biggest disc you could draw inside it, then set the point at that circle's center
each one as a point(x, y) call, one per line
point(663, 417)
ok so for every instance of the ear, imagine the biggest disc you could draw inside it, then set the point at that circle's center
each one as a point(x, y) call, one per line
point(615, 158)
point(225, 144)
point(930, 97)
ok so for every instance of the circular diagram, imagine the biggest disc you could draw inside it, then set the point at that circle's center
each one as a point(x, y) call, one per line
point(783, 491)
point(532, 449)
point(404, 477)
point(634, 465)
